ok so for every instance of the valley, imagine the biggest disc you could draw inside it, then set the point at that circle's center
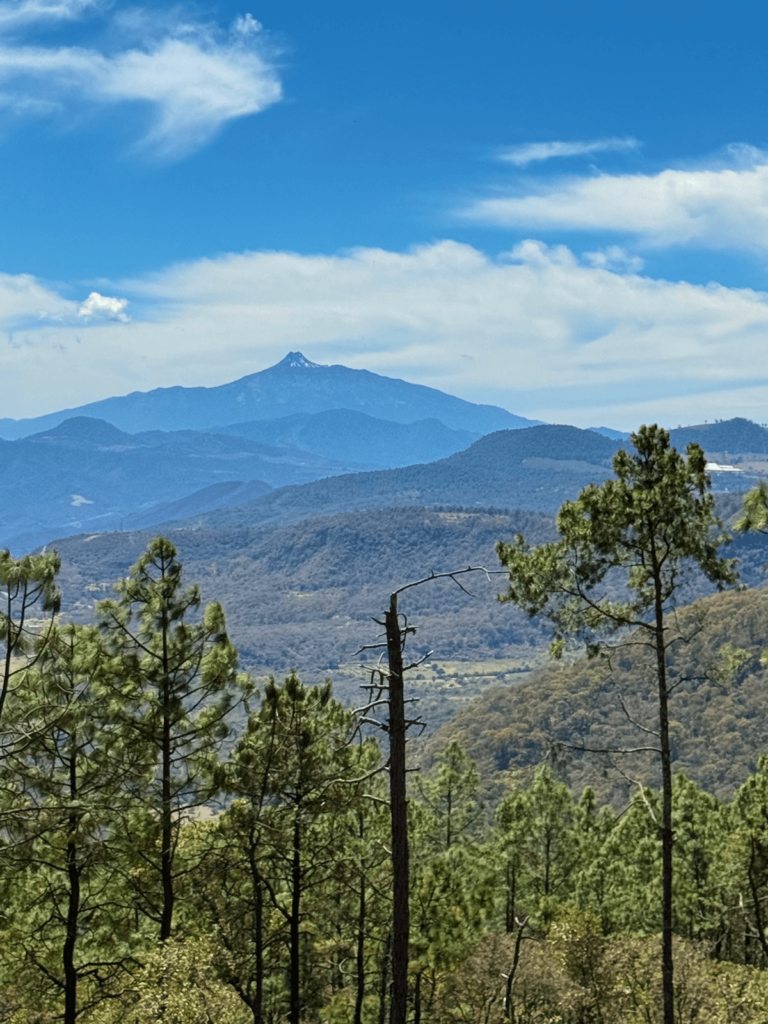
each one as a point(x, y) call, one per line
point(303, 556)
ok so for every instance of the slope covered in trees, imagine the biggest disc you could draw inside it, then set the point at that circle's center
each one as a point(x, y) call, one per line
point(303, 595)
point(537, 468)
point(121, 903)
point(86, 474)
point(727, 436)
point(719, 709)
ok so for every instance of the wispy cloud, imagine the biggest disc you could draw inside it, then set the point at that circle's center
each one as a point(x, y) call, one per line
point(20, 12)
point(620, 341)
point(535, 152)
point(720, 207)
point(613, 257)
point(25, 299)
point(194, 78)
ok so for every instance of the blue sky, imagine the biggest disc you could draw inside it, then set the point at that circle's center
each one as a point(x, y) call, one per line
point(557, 208)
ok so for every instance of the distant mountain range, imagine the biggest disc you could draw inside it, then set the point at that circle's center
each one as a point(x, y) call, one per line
point(142, 459)
point(537, 469)
point(294, 386)
point(303, 454)
point(86, 475)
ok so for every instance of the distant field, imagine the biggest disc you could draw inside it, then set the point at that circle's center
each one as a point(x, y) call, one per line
point(442, 688)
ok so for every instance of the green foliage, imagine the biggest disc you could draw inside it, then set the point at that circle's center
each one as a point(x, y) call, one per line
point(656, 516)
point(451, 794)
point(178, 983)
point(755, 510)
point(70, 927)
point(535, 828)
point(28, 587)
point(300, 774)
point(178, 683)
point(645, 529)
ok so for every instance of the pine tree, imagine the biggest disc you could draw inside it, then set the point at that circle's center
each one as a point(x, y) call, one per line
point(179, 684)
point(639, 531)
point(72, 922)
point(29, 602)
point(536, 829)
point(297, 773)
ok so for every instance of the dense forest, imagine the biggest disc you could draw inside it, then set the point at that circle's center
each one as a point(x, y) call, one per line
point(720, 710)
point(157, 864)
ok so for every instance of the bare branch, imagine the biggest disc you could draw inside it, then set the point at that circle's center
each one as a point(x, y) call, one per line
point(452, 575)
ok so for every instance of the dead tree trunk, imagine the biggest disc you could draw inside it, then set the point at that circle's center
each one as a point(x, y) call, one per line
point(399, 817)
point(396, 632)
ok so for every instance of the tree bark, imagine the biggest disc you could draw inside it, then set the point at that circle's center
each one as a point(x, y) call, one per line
point(509, 997)
point(295, 926)
point(360, 953)
point(667, 838)
point(255, 1001)
point(384, 980)
point(511, 901)
point(399, 812)
point(166, 855)
point(73, 905)
point(257, 1004)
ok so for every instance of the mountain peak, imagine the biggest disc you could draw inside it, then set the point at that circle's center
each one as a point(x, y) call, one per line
point(297, 361)
point(295, 385)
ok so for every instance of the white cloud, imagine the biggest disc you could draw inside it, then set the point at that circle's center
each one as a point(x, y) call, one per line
point(193, 78)
point(24, 298)
point(613, 257)
point(718, 208)
point(104, 306)
point(20, 12)
point(246, 25)
point(534, 152)
point(550, 336)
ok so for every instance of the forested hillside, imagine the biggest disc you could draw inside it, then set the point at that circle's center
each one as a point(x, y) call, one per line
point(124, 904)
point(303, 595)
point(185, 842)
point(719, 708)
point(87, 474)
point(725, 436)
point(284, 587)
point(537, 468)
